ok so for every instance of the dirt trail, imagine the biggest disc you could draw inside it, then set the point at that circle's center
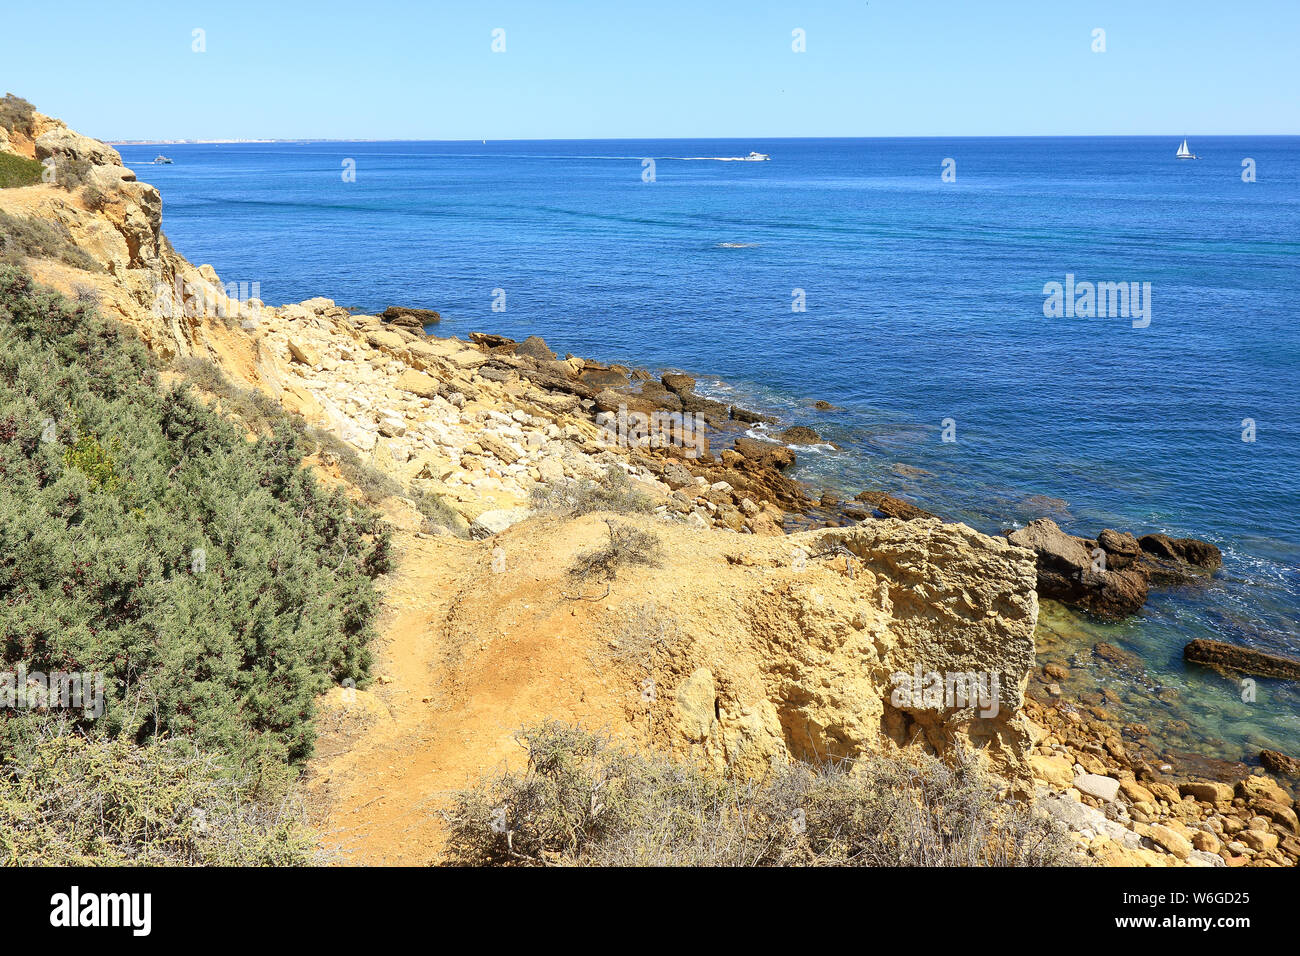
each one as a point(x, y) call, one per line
point(439, 714)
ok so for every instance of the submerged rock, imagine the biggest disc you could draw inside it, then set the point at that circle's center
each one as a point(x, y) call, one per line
point(1280, 763)
point(887, 506)
point(1245, 660)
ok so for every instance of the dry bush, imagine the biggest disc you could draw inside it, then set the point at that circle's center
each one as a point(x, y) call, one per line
point(627, 545)
point(17, 114)
point(73, 800)
point(72, 174)
point(585, 799)
point(21, 237)
point(613, 492)
point(94, 198)
point(645, 632)
point(439, 515)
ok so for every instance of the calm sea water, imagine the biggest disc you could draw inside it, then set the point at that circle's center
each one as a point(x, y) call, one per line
point(924, 302)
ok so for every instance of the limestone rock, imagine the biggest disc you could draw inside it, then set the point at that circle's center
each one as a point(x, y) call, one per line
point(1055, 770)
point(1207, 792)
point(887, 506)
point(694, 706)
point(62, 143)
point(304, 353)
point(1280, 763)
point(417, 383)
point(1166, 838)
point(1095, 785)
point(495, 521)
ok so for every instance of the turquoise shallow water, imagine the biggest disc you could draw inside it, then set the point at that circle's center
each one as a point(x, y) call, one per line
point(924, 303)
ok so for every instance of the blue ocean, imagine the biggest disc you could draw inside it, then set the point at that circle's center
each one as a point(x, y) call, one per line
point(854, 271)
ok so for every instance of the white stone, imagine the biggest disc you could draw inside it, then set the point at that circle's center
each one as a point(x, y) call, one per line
point(1095, 785)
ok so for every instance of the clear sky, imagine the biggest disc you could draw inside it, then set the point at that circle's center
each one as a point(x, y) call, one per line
point(381, 69)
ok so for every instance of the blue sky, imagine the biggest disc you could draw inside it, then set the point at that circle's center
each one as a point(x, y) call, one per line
point(690, 68)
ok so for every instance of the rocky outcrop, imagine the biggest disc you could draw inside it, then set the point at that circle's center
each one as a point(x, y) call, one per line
point(1280, 763)
point(117, 222)
point(746, 649)
point(1111, 575)
point(800, 435)
point(765, 453)
point(412, 320)
point(1243, 660)
point(887, 506)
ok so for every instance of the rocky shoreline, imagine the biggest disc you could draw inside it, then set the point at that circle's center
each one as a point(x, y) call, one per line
point(485, 426)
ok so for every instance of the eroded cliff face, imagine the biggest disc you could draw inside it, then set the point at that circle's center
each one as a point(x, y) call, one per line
point(141, 280)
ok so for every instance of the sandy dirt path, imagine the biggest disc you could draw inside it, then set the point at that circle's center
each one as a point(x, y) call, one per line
point(442, 711)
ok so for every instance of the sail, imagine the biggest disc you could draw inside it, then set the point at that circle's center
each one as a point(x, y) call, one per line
point(1183, 150)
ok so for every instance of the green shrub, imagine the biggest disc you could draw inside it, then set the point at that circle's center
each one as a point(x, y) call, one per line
point(19, 171)
point(260, 413)
point(94, 461)
point(213, 582)
point(585, 799)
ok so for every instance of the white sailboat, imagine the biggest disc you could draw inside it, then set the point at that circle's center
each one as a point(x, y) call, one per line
point(1185, 153)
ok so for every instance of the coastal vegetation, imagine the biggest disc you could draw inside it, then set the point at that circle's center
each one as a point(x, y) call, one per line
point(18, 171)
point(16, 114)
point(586, 799)
point(610, 491)
point(737, 630)
point(21, 237)
point(215, 585)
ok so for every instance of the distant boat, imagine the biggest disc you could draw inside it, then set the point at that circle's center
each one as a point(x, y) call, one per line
point(757, 157)
point(1185, 153)
point(161, 160)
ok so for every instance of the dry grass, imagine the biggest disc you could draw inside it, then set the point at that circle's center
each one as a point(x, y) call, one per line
point(613, 492)
point(21, 237)
point(587, 800)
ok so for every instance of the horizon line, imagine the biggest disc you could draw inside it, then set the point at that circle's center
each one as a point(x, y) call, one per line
point(625, 139)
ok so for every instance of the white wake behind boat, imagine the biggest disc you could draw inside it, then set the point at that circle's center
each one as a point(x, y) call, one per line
point(1185, 153)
